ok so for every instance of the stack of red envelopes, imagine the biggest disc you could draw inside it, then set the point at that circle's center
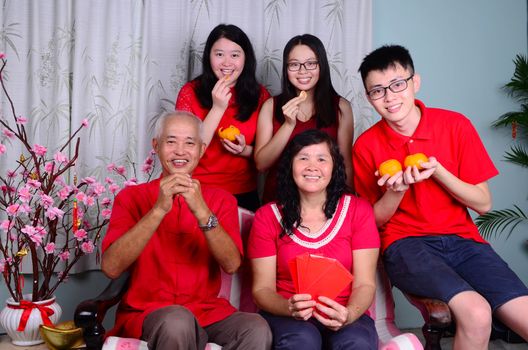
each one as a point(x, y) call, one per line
point(319, 276)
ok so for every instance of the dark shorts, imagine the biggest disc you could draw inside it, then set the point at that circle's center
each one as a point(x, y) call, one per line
point(442, 266)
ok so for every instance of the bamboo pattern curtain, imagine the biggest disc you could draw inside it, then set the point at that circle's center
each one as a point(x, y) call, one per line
point(120, 63)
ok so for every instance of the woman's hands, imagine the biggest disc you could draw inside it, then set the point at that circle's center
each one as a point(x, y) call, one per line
point(301, 306)
point(336, 314)
point(221, 93)
point(291, 109)
point(239, 147)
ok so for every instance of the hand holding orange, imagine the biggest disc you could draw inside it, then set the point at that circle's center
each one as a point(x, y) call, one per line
point(415, 160)
point(390, 167)
point(229, 133)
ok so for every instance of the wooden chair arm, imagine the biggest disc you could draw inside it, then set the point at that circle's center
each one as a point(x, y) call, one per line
point(89, 314)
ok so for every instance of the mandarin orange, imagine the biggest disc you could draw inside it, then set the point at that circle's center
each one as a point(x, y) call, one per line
point(229, 133)
point(391, 167)
point(414, 160)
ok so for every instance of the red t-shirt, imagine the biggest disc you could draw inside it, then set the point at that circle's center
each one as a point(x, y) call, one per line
point(176, 266)
point(219, 167)
point(426, 208)
point(270, 185)
point(351, 227)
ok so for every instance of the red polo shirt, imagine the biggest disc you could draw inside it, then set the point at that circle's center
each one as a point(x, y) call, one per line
point(426, 208)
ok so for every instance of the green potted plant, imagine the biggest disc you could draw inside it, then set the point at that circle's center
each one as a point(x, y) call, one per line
point(502, 221)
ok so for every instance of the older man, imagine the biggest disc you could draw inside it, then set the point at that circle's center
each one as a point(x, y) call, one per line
point(174, 236)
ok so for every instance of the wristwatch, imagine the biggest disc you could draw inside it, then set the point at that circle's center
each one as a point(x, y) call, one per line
point(212, 222)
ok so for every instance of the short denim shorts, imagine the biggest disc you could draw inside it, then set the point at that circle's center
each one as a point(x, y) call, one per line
point(442, 266)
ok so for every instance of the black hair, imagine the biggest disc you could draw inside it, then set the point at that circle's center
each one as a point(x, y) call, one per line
point(287, 192)
point(247, 88)
point(326, 99)
point(385, 57)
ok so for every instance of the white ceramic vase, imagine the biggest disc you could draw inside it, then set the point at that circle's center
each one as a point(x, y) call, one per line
point(11, 315)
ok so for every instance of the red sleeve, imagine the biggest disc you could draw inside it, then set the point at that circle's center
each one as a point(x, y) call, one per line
point(365, 182)
point(366, 233)
point(226, 210)
point(263, 235)
point(475, 165)
point(186, 98)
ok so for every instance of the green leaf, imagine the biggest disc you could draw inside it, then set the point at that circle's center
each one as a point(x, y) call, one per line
point(495, 222)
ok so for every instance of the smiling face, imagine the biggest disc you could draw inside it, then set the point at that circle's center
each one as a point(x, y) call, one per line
point(227, 58)
point(303, 79)
point(312, 168)
point(179, 146)
point(397, 108)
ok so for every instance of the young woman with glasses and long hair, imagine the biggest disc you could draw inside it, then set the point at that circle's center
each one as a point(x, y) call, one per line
point(307, 101)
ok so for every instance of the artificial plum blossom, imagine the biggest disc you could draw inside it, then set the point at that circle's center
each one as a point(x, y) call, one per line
point(106, 213)
point(46, 201)
point(105, 202)
point(131, 182)
point(11, 174)
point(49, 248)
point(84, 122)
point(8, 133)
point(109, 180)
point(99, 189)
point(33, 183)
point(49, 167)
point(89, 201)
point(20, 120)
point(39, 150)
point(2, 265)
point(2, 149)
point(13, 209)
point(110, 167)
point(87, 247)
point(34, 233)
point(6, 225)
point(113, 188)
point(121, 170)
point(60, 158)
point(64, 256)
point(64, 192)
point(80, 234)
point(24, 195)
point(146, 168)
point(53, 213)
point(89, 180)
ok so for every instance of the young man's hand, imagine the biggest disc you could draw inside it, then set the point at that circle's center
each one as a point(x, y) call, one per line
point(412, 175)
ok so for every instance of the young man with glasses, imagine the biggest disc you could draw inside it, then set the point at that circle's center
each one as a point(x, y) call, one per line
point(430, 245)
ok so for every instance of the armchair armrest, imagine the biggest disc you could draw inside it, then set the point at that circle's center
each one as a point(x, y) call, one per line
point(437, 317)
point(89, 314)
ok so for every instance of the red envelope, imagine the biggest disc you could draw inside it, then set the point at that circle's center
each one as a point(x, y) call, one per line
point(317, 275)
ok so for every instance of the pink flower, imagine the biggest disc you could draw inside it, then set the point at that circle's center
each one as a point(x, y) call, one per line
point(113, 188)
point(2, 149)
point(87, 247)
point(46, 200)
point(24, 195)
point(6, 225)
point(33, 183)
point(89, 180)
point(106, 213)
point(110, 167)
point(99, 189)
point(20, 120)
point(89, 201)
point(146, 168)
point(80, 234)
point(13, 209)
point(49, 248)
point(84, 122)
point(80, 196)
point(2, 55)
point(8, 133)
point(11, 174)
point(53, 213)
point(34, 233)
point(64, 192)
point(60, 274)
point(49, 167)
point(106, 202)
point(60, 158)
point(120, 170)
point(64, 256)
point(2, 265)
point(39, 150)
point(109, 180)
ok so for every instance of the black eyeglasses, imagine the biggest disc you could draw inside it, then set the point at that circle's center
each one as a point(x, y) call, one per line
point(296, 66)
point(395, 86)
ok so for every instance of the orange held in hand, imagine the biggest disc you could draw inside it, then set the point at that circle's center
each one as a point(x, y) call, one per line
point(229, 133)
point(414, 160)
point(390, 167)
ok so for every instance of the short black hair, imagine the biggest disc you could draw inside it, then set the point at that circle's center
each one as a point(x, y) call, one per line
point(385, 57)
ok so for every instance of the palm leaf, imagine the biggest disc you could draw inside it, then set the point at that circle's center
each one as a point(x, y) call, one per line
point(497, 221)
point(517, 155)
point(518, 85)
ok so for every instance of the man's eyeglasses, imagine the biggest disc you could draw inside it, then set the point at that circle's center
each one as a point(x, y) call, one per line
point(296, 66)
point(395, 86)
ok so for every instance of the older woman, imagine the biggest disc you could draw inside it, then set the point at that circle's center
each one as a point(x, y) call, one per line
point(314, 214)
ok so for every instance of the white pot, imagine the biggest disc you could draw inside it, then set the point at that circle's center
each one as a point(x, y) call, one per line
point(10, 320)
